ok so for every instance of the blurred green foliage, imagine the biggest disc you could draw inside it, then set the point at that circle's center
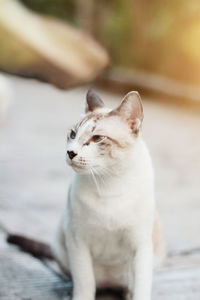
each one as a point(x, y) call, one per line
point(114, 28)
point(63, 9)
point(158, 36)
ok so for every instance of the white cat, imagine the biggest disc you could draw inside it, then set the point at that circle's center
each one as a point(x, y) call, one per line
point(110, 235)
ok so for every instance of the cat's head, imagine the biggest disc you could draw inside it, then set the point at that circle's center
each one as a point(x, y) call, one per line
point(104, 138)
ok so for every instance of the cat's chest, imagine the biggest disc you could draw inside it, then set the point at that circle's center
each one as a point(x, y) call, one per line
point(108, 229)
point(110, 208)
point(110, 247)
point(106, 214)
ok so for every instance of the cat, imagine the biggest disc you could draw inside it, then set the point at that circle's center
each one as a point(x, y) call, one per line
point(110, 234)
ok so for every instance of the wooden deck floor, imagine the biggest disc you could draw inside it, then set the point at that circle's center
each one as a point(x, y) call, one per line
point(34, 179)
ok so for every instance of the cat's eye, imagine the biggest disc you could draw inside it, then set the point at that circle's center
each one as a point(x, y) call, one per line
point(97, 138)
point(72, 134)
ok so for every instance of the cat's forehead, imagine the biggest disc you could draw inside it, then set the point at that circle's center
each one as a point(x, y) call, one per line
point(92, 120)
point(101, 123)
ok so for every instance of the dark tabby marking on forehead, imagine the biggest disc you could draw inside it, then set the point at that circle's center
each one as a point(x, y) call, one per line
point(95, 117)
point(82, 122)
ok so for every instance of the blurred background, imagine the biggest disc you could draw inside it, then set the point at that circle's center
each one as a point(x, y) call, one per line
point(51, 51)
point(148, 37)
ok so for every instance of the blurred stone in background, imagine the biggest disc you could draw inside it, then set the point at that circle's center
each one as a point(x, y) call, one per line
point(156, 36)
point(33, 45)
point(152, 39)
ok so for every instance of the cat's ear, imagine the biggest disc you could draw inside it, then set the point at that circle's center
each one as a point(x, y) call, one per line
point(131, 111)
point(93, 101)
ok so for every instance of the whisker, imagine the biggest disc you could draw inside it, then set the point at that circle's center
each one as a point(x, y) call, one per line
point(95, 180)
point(106, 171)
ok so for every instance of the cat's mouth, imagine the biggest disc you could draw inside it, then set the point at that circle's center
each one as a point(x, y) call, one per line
point(77, 166)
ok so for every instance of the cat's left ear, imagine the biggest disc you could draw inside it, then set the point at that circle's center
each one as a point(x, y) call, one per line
point(93, 101)
point(131, 111)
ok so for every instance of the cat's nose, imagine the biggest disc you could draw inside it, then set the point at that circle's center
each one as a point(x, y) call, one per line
point(71, 154)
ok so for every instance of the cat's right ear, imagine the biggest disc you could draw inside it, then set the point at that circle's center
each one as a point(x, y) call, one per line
point(131, 111)
point(93, 101)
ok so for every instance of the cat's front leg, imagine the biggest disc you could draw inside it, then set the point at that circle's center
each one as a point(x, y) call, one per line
point(142, 272)
point(81, 269)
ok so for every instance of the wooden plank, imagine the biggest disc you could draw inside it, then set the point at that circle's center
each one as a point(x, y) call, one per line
point(24, 277)
point(179, 279)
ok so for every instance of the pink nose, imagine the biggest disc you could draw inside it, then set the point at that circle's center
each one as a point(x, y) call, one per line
point(71, 154)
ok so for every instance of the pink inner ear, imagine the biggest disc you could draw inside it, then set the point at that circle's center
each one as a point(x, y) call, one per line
point(133, 125)
point(131, 111)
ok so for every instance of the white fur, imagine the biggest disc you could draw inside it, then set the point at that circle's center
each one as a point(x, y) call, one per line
point(105, 236)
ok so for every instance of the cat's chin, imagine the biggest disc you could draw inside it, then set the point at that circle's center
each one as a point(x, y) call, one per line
point(79, 168)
